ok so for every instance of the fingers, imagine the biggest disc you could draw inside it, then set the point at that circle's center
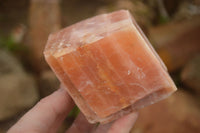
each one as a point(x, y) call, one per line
point(81, 125)
point(103, 128)
point(124, 124)
point(47, 115)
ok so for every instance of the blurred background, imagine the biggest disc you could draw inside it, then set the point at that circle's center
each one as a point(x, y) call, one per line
point(172, 26)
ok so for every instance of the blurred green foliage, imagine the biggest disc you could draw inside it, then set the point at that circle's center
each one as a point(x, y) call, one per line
point(9, 44)
point(74, 112)
point(163, 20)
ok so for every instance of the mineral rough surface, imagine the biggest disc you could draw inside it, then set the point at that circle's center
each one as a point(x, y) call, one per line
point(108, 66)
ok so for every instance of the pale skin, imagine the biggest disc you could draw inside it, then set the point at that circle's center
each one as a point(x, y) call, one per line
point(50, 112)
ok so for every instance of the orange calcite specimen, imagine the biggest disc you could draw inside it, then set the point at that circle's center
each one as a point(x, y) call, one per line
point(108, 66)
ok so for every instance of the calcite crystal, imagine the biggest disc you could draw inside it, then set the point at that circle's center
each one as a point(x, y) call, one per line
point(108, 66)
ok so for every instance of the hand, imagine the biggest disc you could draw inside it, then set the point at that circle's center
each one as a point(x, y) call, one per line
point(49, 113)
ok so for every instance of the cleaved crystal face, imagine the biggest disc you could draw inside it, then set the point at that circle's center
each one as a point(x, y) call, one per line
point(108, 66)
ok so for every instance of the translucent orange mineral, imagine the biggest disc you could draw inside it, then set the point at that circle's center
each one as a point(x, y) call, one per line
point(108, 66)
